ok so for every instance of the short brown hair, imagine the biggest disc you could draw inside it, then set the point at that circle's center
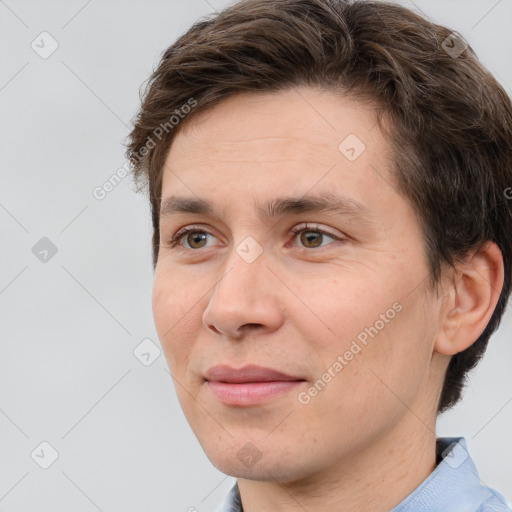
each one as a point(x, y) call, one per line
point(451, 122)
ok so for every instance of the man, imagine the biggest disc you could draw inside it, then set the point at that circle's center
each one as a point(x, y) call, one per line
point(343, 168)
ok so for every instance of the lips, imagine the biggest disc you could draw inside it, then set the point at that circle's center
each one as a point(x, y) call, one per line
point(249, 386)
point(247, 374)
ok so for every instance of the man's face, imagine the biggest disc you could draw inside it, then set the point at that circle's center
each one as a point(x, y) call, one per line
point(341, 305)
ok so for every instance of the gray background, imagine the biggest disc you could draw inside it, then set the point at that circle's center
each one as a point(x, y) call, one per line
point(68, 327)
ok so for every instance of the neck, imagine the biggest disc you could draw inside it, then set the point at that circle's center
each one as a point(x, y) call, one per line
point(377, 477)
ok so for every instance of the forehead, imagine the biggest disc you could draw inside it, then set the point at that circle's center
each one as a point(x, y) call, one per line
point(294, 140)
point(282, 123)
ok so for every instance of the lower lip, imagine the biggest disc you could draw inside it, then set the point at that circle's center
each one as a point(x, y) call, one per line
point(250, 393)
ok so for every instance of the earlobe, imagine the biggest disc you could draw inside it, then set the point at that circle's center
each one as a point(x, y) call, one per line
point(473, 296)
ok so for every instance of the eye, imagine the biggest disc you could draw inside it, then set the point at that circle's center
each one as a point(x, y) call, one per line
point(312, 236)
point(193, 235)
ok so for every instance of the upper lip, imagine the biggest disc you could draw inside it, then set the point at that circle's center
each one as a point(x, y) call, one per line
point(249, 373)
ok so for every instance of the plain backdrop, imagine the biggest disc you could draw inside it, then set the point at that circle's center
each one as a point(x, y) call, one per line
point(76, 275)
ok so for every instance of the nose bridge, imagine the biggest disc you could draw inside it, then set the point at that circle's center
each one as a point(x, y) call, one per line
point(241, 294)
point(243, 268)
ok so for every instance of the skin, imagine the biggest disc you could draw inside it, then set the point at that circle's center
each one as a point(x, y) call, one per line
point(367, 439)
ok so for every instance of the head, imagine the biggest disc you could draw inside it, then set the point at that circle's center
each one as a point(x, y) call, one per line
point(359, 102)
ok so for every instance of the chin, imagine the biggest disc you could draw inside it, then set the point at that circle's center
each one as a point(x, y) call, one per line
point(272, 468)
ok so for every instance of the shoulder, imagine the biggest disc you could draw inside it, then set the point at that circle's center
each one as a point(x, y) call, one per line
point(495, 503)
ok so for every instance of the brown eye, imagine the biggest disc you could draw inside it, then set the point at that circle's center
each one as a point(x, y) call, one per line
point(196, 237)
point(311, 237)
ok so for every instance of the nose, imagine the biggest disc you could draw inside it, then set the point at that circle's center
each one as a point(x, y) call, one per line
point(245, 300)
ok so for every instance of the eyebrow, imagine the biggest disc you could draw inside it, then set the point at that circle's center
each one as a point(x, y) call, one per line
point(324, 202)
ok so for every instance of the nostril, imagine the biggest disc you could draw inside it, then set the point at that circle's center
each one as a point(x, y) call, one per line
point(214, 329)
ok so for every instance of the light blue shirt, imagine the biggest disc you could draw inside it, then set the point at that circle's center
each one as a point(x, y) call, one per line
point(454, 486)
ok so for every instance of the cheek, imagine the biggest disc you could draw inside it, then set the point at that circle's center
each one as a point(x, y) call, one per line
point(176, 321)
point(163, 308)
point(395, 358)
point(173, 299)
point(343, 309)
point(372, 326)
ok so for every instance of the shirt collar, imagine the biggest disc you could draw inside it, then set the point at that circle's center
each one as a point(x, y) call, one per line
point(453, 485)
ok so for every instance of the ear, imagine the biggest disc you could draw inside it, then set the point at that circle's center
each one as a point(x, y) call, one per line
point(471, 300)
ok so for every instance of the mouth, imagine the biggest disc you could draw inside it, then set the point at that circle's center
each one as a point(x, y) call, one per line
point(250, 385)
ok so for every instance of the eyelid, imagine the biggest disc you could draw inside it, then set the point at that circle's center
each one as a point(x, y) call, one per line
point(188, 228)
point(308, 226)
point(312, 226)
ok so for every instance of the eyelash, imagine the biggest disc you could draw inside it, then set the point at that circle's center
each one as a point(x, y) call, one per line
point(174, 242)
